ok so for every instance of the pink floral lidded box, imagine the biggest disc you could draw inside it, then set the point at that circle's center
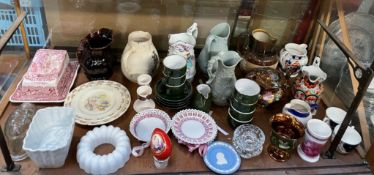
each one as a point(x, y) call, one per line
point(46, 68)
point(48, 78)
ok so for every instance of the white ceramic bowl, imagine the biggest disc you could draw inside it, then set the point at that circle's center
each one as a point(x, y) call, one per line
point(144, 122)
point(49, 136)
point(103, 164)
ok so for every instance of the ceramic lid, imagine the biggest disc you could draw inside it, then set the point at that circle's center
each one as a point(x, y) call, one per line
point(222, 158)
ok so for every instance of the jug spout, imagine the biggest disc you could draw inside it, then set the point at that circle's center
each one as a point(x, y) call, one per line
point(204, 90)
point(229, 58)
point(262, 41)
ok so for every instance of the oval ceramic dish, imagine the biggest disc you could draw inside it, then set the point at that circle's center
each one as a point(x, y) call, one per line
point(143, 123)
point(98, 102)
point(194, 126)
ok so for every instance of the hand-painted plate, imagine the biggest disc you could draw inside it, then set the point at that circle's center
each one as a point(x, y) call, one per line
point(222, 158)
point(98, 102)
point(47, 95)
point(194, 126)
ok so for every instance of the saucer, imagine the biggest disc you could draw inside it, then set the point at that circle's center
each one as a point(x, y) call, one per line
point(194, 127)
point(160, 88)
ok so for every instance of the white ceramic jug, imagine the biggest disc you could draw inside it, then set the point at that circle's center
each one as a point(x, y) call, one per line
point(298, 109)
point(215, 42)
point(139, 56)
point(183, 44)
point(292, 57)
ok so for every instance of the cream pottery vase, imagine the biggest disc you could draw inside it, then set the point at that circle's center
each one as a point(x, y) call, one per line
point(183, 44)
point(221, 71)
point(214, 43)
point(140, 56)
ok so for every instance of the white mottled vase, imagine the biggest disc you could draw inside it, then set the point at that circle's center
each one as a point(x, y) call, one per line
point(214, 43)
point(183, 44)
point(221, 71)
point(139, 56)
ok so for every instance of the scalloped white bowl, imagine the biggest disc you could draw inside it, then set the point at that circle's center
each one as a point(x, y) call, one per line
point(103, 164)
point(49, 136)
point(144, 122)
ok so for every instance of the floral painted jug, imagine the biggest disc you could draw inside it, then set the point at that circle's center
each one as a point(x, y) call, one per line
point(292, 57)
point(214, 43)
point(221, 71)
point(309, 86)
point(183, 44)
point(139, 56)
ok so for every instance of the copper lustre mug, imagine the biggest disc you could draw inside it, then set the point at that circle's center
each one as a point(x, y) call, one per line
point(286, 130)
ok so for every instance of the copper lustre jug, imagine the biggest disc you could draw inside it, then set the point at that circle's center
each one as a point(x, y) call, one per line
point(257, 49)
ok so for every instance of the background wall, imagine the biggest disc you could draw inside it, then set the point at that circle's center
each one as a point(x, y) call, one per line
point(70, 20)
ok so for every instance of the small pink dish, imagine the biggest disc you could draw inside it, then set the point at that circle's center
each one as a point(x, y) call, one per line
point(194, 127)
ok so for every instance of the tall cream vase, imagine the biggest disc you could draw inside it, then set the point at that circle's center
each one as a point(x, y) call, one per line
point(140, 56)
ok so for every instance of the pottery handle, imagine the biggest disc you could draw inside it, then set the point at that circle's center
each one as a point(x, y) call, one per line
point(303, 46)
point(193, 30)
point(137, 151)
point(326, 120)
point(316, 61)
point(211, 72)
point(244, 40)
point(208, 43)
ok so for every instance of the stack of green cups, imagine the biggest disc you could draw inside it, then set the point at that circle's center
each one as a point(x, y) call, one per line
point(174, 75)
point(243, 102)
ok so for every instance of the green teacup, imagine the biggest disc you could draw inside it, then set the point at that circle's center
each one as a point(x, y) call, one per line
point(246, 91)
point(234, 123)
point(246, 108)
point(241, 116)
point(175, 67)
point(174, 82)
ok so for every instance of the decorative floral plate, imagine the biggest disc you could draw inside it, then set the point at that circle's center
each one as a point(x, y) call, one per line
point(143, 123)
point(47, 95)
point(194, 126)
point(98, 102)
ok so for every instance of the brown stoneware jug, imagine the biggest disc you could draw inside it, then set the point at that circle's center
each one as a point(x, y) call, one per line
point(95, 56)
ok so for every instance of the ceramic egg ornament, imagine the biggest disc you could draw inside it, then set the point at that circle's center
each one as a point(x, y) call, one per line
point(161, 148)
